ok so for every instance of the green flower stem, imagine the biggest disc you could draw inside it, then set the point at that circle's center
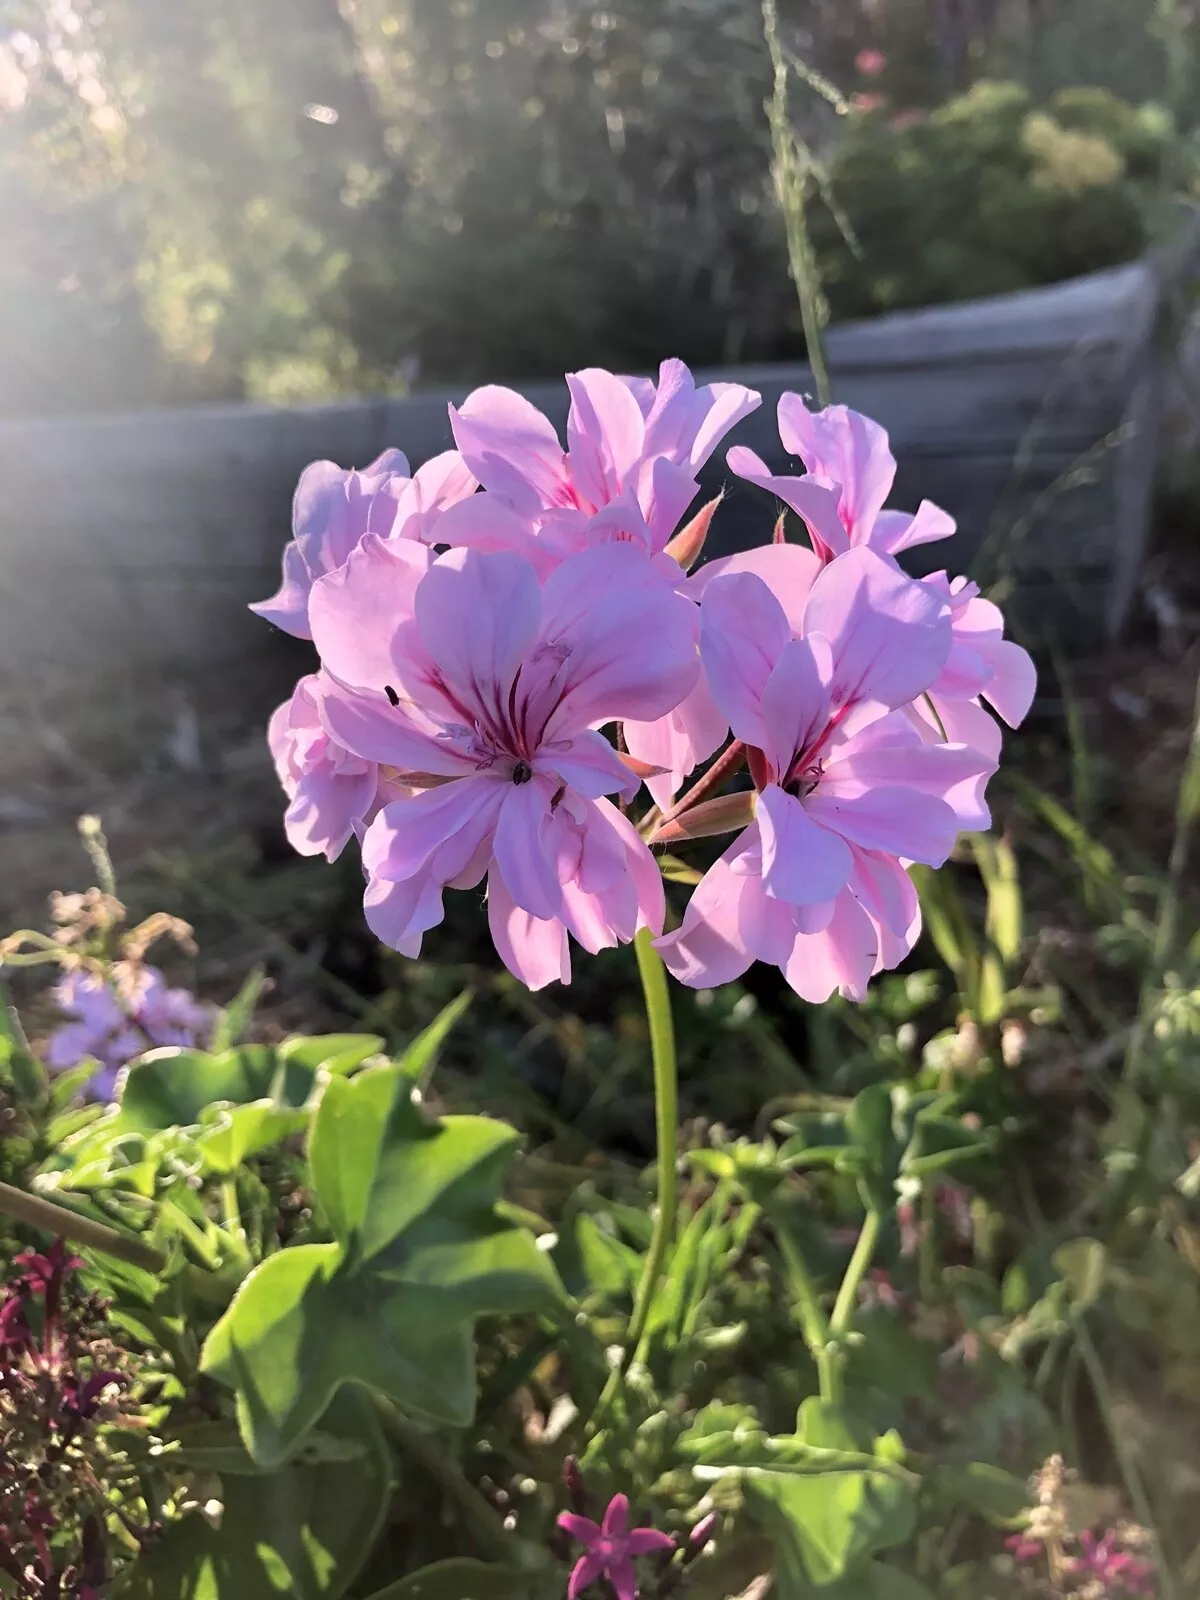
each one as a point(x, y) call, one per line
point(666, 1115)
point(666, 1118)
point(477, 1514)
point(231, 1206)
point(864, 1253)
point(63, 1223)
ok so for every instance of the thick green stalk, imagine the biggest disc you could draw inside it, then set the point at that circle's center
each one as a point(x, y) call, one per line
point(666, 1117)
point(864, 1252)
point(666, 1122)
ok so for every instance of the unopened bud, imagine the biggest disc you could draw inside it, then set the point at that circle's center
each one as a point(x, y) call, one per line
point(575, 1486)
point(701, 1536)
point(779, 536)
point(688, 543)
point(728, 813)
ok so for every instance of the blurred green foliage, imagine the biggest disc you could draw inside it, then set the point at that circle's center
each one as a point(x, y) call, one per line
point(289, 199)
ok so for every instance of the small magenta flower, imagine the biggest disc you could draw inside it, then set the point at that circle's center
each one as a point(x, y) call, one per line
point(1102, 1560)
point(612, 1547)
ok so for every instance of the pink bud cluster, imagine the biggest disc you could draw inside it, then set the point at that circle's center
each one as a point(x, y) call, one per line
point(512, 642)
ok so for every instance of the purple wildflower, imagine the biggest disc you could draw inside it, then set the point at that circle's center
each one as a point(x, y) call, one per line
point(611, 1549)
point(112, 1019)
point(1103, 1559)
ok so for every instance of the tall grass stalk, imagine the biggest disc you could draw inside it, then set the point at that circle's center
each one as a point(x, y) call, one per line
point(792, 169)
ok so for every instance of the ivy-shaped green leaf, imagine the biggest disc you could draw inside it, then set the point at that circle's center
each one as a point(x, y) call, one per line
point(303, 1531)
point(420, 1252)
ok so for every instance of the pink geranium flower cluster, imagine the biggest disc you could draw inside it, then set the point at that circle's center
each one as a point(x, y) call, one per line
point(511, 643)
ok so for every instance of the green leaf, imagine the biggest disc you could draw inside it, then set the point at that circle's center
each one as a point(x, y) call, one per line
point(304, 1531)
point(822, 1525)
point(298, 1330)
point(217, 1447)
point(464, 1579)
point(233, 1023)
point(1084, 1264)
point(869, 1124)
point(335, 1053)
point(826, 1503)
point(231, 1134)
point(417, 1060)
point(26, 1073)
point(170, 1088)
point(993, 1493)
point(610, 1266)
point(421, 1252)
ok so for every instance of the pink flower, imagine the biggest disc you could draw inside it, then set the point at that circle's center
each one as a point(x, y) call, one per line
point(849, 793)
point(628, 472)
point(867, 102)
point(841, 498)
point(1122, 1574)
point(870, 63)
point(332, 510)
point(612, 1548)
point(482, 692)
point(329, 790)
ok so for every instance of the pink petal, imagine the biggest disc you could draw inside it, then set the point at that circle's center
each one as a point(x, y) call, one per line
point(769, 927)
point(478, 615)
point(743, 633)
point(625, 638)
point(1014, 682)
point(403, 838)
point(707, 948)
point(686, 423)
point(357, 611)
point(788, 570)
point(841, 958)
point(957, 722)
point(520, 847)
point(589, 764)
point(485, 522)
point(605, 431)
point(899, 822)
point(803, 863)
point(842, 447)
point(902, 530)
point(534, 950)
point(664, 492)
point(582, 1529)
point(623, 1579)
point(288, 606)
point(645, 1541)
point(321, 818)
point(442, 481)
point(400, 914)
point(795, 699)
point(885, 891)
point(616, 1518)
point(814, 502)
point(890, 635)
point(378, 731)
point(511, 448)
point(680, 741)
point(955, 773)
point(586, 1571)
point(647, 880)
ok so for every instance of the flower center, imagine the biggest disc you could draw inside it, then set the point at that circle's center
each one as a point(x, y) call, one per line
point(522, 772)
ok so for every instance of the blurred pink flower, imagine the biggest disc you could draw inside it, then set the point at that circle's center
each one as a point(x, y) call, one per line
point(909, 117)
point(1102, 1559)
point(332, 509)
point(612, 1548)
point(482, 692)
point(848, 792)
point(329, 790)
point(867, 102)
point(870, 63)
